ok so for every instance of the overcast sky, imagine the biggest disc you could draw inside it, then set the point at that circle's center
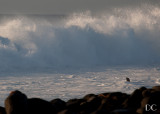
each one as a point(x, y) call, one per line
point(64, 6)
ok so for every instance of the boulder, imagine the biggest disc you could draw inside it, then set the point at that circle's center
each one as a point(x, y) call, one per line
point(16, 103)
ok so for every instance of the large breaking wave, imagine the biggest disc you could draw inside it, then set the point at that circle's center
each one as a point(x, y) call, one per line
point(118, 37)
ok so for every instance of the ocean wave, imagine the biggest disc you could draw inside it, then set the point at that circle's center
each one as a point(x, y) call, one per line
point(120, 37)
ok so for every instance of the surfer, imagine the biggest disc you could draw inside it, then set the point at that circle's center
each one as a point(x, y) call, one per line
point(127, 79)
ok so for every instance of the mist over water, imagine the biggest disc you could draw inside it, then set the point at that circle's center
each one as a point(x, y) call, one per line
point(121, 36)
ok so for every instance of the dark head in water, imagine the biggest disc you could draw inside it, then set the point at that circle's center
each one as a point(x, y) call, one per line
point(127, 79)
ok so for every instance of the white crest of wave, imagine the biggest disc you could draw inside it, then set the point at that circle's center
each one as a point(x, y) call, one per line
point(22, 32)
point(120, 19)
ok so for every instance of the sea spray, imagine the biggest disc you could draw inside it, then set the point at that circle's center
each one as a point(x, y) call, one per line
point(121, 36)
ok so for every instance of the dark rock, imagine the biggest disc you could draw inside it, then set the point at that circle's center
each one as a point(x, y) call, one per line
point(104, 95)
point(123, 111)
point(147, 92)
point(110, 102)
point(66, 111)
point(155, 98)
point(104, 108)
point(141, 110)
point(74, 104)
point(105, 103)
point(93, 103)
point(118, 98)
point(89, 103)
point(2, 110)
point(142, 89)
point(86, 97)
point(134, 101)
point(152, 99)
point(58, 104)
point(157, 88)
point(40, 106)
point(16, 103)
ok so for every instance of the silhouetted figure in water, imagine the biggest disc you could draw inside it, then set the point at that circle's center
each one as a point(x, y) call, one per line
point(127, 79)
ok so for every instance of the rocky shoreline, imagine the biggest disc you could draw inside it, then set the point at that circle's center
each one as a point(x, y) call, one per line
point(141, 101)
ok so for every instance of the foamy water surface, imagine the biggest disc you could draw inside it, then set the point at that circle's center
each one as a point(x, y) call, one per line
point(77, 84)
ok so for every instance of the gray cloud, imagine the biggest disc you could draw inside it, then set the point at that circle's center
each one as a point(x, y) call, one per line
point(66, 6)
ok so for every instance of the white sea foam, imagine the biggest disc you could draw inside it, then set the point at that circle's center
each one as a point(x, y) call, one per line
point(77, 84)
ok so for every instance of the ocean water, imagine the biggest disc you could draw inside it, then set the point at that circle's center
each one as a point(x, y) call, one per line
point(67, 56)
point(77, 84)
